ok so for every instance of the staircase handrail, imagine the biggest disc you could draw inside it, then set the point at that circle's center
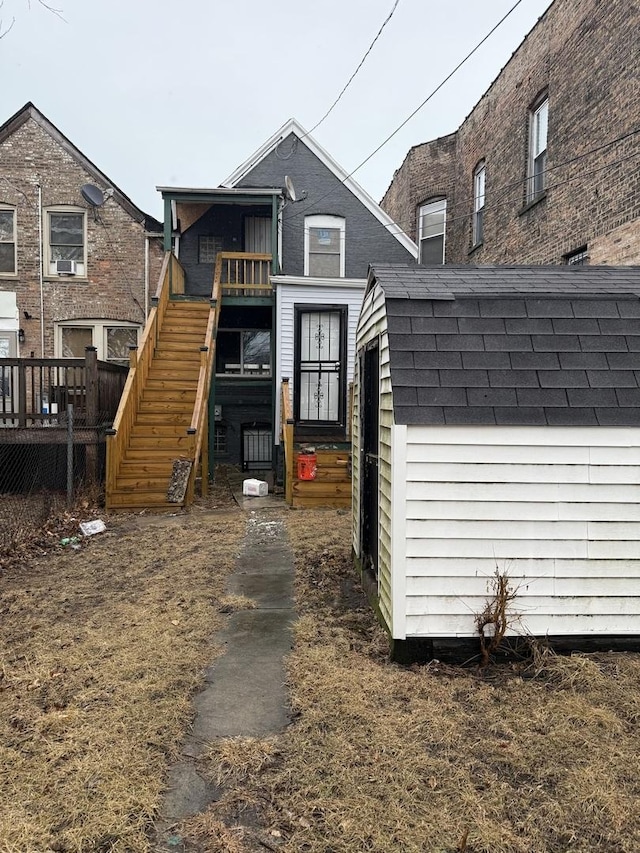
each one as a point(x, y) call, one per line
point(199, 420)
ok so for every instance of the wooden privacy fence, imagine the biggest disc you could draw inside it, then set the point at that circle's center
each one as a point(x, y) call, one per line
point(35, 392)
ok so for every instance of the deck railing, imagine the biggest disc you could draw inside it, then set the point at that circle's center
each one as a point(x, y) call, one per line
point(35, 392)
point(286, 420)
point(171, 278)
point(244, 273)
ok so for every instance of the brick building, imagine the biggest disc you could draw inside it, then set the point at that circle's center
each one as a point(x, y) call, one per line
point(78, 260)
point(546, 167)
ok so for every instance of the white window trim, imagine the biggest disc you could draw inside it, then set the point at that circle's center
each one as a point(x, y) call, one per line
point(534, 124)
point(15, 242)
point(479, 194)
point(49, 267)
point(99, 333)
point(440, 200)
point(325, 221)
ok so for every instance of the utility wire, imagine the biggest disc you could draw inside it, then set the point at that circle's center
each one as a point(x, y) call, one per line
point(373, 235)
point(420, 106)
point(360, 64)
point(438, 87)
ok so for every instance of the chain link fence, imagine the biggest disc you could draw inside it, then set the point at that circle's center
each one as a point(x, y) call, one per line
point(41, 475)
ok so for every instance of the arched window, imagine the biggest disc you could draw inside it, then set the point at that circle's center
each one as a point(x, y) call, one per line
point(432, 218)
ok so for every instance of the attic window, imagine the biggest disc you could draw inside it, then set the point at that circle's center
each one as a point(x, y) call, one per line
point(324, 246)
point(66, 243)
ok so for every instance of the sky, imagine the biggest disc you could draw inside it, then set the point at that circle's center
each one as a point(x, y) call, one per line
point(166, 93)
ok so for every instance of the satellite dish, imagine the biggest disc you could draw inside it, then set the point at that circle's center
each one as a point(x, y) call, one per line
point(289, 189)
point(92, 195)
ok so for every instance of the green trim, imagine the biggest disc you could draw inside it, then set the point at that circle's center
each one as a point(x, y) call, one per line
point(248, 300)
point(167, 225)
point(274, 237)
point(202, 198)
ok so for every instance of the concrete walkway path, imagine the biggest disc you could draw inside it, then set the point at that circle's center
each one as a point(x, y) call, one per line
point(244, 692)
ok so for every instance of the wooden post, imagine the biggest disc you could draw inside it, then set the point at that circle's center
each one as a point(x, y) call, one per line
point(91, 380)
point(204, 456)
point(22, 394)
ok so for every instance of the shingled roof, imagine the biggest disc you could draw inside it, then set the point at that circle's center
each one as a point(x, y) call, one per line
point(513, 345)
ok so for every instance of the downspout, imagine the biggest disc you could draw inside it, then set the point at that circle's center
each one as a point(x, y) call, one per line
point(41, 270)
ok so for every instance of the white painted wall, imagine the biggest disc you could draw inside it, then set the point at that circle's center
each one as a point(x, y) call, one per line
point(557, 508)
point(316, 292)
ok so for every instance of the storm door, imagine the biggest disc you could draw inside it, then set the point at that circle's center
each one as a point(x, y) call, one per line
point(320, 366)
point(370, 450)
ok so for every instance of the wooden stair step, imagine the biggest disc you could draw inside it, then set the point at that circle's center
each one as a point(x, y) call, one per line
point(141, 500)
point(165, 455)
point(132, 483)
point(320, 488)
point(164, 418)
point(159, 406)
point(161, 442)
point(158, 430)
point(308, 502)
point(168, 395)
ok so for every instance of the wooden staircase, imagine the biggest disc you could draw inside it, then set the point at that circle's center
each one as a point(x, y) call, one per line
point(159, 430)
point(332, 484)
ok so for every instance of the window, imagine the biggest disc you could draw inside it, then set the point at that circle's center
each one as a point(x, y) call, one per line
point(66, 242)
point(208, 248)
point(538, 125)
point(243, 353)
point(7, 240)
point(111, 339)
point(257, 440)
point(324, 243)
point(579, 257)
point(478, 203)
point(431, 227)
point(220, 438)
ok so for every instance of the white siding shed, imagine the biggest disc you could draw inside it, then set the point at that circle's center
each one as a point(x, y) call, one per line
point(505, 404)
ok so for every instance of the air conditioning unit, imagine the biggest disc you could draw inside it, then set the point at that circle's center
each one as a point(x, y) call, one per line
point(66, 267)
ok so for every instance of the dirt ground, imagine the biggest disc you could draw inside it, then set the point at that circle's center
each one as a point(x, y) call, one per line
point(102, 646)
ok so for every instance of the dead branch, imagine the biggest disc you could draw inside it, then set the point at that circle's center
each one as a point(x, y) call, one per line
point(494, 620)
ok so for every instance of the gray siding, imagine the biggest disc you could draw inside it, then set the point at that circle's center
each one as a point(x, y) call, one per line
point(225, 222)
point(367, 240)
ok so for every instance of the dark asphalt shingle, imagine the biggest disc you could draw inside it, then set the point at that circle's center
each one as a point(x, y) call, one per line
point(513, 345)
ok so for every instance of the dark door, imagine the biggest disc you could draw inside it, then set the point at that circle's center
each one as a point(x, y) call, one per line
point(370, 444)
point(320, 366)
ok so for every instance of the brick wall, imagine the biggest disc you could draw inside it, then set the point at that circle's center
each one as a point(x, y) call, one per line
point(114, 285)
point(584, 53)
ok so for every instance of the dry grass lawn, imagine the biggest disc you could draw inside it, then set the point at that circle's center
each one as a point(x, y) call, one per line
point(537, 758)
point(102, 647)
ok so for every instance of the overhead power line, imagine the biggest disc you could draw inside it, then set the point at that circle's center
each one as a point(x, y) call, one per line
point(359, 66)
point(420, 106)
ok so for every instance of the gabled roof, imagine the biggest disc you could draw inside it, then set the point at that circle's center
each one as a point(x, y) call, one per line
point(29, 111)
point(513, 345)
point(293, 127)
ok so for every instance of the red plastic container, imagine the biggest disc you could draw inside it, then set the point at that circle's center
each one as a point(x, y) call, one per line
point(307, 466)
